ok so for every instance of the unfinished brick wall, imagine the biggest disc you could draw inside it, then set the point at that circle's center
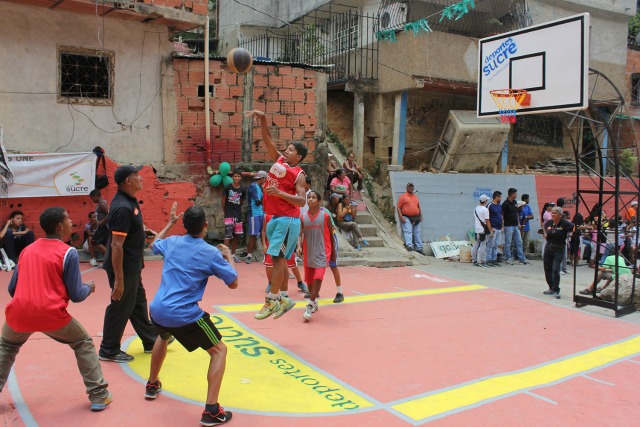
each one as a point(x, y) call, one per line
point(286, 94)
point(200, 7)
point(630, 127)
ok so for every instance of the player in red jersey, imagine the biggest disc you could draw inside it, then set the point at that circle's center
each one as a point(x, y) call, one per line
point(284, 194)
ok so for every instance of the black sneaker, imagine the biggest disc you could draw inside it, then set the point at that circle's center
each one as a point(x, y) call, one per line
point(153, 390)
point(548, 292)
point(208, 419)
point(557, 295)
point(339, 298)
point(121, 357)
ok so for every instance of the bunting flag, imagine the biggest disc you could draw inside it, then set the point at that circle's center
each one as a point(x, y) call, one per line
point(453, 12)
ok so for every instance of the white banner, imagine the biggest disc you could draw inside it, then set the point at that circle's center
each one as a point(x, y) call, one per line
point(448, 248)
point(52, 174)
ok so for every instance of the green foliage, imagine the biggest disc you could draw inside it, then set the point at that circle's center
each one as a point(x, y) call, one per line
point(628, 162)
point(376, 169)
point(634, 25)
point(333, 138)
point(368, 183)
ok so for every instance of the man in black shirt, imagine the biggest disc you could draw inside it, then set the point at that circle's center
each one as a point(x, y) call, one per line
point(511, 218)
point(556, 232)
point(232, 198)
point(123, 263)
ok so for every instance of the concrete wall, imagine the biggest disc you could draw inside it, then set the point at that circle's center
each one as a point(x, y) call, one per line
point(608, 41)
point(235, 13)
point(437, 55)
point(32, 118)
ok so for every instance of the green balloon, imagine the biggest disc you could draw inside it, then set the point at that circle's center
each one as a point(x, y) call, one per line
point(226, 180)
point(224, 168)
point(215, 180)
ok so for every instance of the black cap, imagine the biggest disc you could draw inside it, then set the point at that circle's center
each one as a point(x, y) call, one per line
point(124, 171)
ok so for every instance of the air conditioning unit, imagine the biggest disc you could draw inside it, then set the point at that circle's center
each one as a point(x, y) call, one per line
point(392, 17)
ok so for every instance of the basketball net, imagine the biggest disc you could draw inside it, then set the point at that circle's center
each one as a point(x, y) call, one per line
point(508, 102)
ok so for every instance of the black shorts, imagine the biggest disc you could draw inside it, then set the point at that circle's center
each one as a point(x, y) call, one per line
point(201, 333)
point(101, 235)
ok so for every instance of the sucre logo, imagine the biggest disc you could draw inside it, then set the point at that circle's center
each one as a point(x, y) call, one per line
point(77, 186)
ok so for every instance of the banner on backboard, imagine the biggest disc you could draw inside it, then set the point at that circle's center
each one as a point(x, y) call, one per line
point(52, 174)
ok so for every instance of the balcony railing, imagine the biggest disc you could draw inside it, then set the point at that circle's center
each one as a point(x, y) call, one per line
point(345, 42)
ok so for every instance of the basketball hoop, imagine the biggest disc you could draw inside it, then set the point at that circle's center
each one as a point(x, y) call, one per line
point(508, 102)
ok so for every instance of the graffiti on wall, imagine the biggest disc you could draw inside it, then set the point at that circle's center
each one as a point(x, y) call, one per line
point(543, 131)
point(419, 116)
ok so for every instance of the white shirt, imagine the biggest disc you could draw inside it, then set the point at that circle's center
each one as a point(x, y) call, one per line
point(305, 208)
point(483, 213)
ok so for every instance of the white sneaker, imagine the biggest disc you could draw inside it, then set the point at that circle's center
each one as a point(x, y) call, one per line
point(93, 262)
point(248, 259)
point(308, 310)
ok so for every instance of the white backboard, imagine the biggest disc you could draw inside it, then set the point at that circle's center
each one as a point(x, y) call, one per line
point(550, 61)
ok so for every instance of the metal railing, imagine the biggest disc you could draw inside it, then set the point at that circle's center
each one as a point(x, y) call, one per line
point(346, 42)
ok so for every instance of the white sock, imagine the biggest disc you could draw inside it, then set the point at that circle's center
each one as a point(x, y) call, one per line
point(273, 296)
point(339, 288)
point(284, 294)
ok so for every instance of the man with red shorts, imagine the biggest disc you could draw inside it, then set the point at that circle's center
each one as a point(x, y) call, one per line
point(284, 194)
point(319, 248)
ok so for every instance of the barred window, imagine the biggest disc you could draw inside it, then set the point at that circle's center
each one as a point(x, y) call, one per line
point(635, 89)
point(85, 76)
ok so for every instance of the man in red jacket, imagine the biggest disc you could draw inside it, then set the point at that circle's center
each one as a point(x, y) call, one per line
point(46, 278)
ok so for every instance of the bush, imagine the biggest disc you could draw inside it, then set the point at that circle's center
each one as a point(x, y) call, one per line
point(628, 162)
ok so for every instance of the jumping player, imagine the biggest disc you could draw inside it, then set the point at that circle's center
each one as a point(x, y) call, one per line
point(284, 195)
point(319, 248)
point(188, 263)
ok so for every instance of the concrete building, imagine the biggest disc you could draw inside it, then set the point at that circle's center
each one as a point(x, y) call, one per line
point(389, 100)
point(79, 73)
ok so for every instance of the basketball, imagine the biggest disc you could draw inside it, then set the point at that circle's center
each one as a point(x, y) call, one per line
point(239, 60)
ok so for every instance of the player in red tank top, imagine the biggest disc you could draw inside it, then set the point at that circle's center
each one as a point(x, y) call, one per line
point(284, 194)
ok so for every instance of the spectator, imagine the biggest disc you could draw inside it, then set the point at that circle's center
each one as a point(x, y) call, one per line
point(632, 211)
point(353, 170)
point(410, 216)
point(608, 272)
point(526, 215)
point(16, 236)
point(495, 217)
point(512, 227)
point(483, 230)
point(346, 220)
point(332, 167)
point(101, 235)
point(256, 212)
point(89, 245)
point(46, 278)
point(232, 198)
point(341, 184)
point(576, 238)
point(556, 232)
point(545, 217)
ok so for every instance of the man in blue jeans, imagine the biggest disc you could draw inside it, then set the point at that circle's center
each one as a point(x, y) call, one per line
point(511, 220)
point(495, 218)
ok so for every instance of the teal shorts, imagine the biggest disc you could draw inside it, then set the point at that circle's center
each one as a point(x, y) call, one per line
point(282, 234)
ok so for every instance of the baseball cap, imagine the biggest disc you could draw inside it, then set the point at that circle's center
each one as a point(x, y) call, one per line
point(260, 175)
point(483, 198)
point(124, 171)
point(634, 203)
point(409, 184)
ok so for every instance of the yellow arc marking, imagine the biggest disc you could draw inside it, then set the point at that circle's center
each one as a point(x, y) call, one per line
point(244, 308)
point(460, 397)
point(258, 377)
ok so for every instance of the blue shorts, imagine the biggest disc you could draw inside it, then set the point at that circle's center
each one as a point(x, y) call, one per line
point(255, 225)
point(335, 263)
point(282, 234)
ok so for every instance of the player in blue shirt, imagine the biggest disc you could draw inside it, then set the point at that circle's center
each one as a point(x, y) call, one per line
point(189, 261)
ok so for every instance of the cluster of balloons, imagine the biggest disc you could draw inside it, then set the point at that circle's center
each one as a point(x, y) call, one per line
point(222, 177)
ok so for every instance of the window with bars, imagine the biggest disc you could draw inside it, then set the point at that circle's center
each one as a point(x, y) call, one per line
point(635, 89)
point(85, 76)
